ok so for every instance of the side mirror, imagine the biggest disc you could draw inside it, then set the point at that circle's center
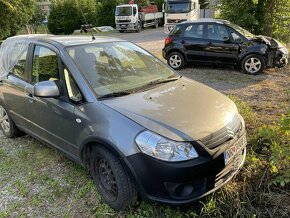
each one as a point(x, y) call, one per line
point(226, 39)
point(46, 89)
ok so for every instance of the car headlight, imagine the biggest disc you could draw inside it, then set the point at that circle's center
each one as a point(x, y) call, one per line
point(165, 149)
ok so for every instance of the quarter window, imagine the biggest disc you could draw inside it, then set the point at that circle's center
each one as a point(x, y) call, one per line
point(19, 68)
point(236, 37)
point(45, 65)
point(194, 31)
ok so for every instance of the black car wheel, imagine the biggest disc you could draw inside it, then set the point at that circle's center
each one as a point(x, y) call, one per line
point(112, 179)
point(176, 60)
point(7, 125)
point(253, 64)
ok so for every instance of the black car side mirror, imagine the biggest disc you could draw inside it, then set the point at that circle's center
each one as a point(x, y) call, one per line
point(226, 39)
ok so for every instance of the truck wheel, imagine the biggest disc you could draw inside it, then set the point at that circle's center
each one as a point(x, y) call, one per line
point(156, 23)
point(176, 60)
point(139, 27)
point(112, 179)
point(121, 31)
point(253, 64)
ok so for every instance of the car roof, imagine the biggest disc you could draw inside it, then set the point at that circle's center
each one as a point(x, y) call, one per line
point(64, 40)
point(208, 20)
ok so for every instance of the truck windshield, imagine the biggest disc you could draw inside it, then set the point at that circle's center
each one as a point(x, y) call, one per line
point(177, 7)
point(118, 67)
point(123, 11)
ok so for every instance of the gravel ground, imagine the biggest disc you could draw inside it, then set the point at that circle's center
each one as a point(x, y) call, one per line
point(36, 181)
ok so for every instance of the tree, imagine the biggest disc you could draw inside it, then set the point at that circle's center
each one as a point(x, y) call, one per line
point(266, 17)
point(37, 18)
point(14, 15)
point(68, 15)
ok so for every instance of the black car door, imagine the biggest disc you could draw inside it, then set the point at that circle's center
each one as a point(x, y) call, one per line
point(221, 48)
point(194, 42)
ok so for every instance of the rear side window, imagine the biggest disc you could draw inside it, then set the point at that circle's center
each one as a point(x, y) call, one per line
point(45, 65)
point(176, 31)
point(194, 31)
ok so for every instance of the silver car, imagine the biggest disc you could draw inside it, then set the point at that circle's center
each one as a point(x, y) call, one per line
point(142, 131)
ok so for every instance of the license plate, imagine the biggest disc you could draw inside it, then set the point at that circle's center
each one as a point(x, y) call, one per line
point(235, 149)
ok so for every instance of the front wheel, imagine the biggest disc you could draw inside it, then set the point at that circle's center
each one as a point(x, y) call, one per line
point(139, 27)
point(176, 60)
point(253, 64)
point(112, 179)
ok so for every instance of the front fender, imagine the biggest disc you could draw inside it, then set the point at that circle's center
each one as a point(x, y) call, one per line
point(253, 48)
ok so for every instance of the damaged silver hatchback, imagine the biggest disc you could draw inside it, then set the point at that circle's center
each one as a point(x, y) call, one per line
point(142, 131)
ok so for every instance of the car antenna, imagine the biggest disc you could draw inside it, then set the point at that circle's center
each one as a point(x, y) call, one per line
point(86, 21)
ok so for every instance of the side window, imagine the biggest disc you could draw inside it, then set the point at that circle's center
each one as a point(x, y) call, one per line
point(194, 31)
point(19, 68)
point(73, 91)
point(45, 65)
point(236, 37)
point(217, 32)
point(134, 11)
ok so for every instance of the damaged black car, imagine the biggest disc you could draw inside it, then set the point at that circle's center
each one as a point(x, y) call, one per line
point(213, 41)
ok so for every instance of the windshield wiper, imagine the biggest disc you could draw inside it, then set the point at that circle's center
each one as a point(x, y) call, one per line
point(114, 94)
point(169, 79)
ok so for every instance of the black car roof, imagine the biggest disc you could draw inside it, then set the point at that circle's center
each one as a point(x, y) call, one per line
point(65, 40)
point(207, 20)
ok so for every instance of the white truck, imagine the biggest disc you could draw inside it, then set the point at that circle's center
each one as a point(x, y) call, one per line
point(128, 17)
point(177, 11)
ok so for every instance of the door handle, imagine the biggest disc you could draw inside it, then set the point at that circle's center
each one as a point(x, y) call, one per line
point(30, 97)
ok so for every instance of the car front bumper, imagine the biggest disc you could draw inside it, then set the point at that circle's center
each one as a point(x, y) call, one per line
point(182, 183)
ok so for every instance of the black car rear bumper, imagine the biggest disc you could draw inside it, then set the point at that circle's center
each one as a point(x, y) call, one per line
point(184, 182)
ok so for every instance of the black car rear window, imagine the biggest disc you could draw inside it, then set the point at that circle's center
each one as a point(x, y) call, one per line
point(176, 31)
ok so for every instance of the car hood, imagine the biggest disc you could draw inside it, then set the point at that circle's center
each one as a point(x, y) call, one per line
point(182, 110)
point(273, 43)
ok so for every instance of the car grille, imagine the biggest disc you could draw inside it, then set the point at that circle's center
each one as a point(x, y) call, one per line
point(225, 134)
point(231, 168)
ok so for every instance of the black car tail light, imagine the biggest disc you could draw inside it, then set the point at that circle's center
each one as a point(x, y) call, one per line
point(168, 40)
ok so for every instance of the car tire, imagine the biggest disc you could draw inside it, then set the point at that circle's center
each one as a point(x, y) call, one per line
point(8, 127)
point(253, 64)
point(176, 60)
point(112, 179)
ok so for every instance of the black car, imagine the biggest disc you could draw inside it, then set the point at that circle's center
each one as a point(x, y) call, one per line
point(221, 42)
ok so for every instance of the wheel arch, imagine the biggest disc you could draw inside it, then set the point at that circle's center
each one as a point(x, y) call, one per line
point(176, 50)
point(244, 55)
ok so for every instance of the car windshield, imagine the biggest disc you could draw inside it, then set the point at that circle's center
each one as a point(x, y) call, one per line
point(117, 67)
point(123, 11)
point(177, 7)
point(241, 30)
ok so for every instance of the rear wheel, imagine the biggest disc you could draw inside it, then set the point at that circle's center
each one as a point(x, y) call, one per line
point(121, 31)
point(112, 179)
point(253, 64)
point(7, 125)
point(176, 60)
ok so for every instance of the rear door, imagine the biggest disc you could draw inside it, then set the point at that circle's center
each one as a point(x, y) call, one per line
point(194, 42)
point(220, 48)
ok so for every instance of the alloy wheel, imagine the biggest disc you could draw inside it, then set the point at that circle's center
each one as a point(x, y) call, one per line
point(175, 61)
point(253, 65)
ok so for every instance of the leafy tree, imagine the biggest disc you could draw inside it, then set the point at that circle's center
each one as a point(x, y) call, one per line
point(37, 18)
point(68, 15)
point(267, 17)
point(14, 15)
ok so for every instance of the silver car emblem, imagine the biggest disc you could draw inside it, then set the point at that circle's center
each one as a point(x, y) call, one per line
point(230, 133)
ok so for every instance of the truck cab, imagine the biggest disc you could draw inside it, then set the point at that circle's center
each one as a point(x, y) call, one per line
point(177, 11)
point(127, 17)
